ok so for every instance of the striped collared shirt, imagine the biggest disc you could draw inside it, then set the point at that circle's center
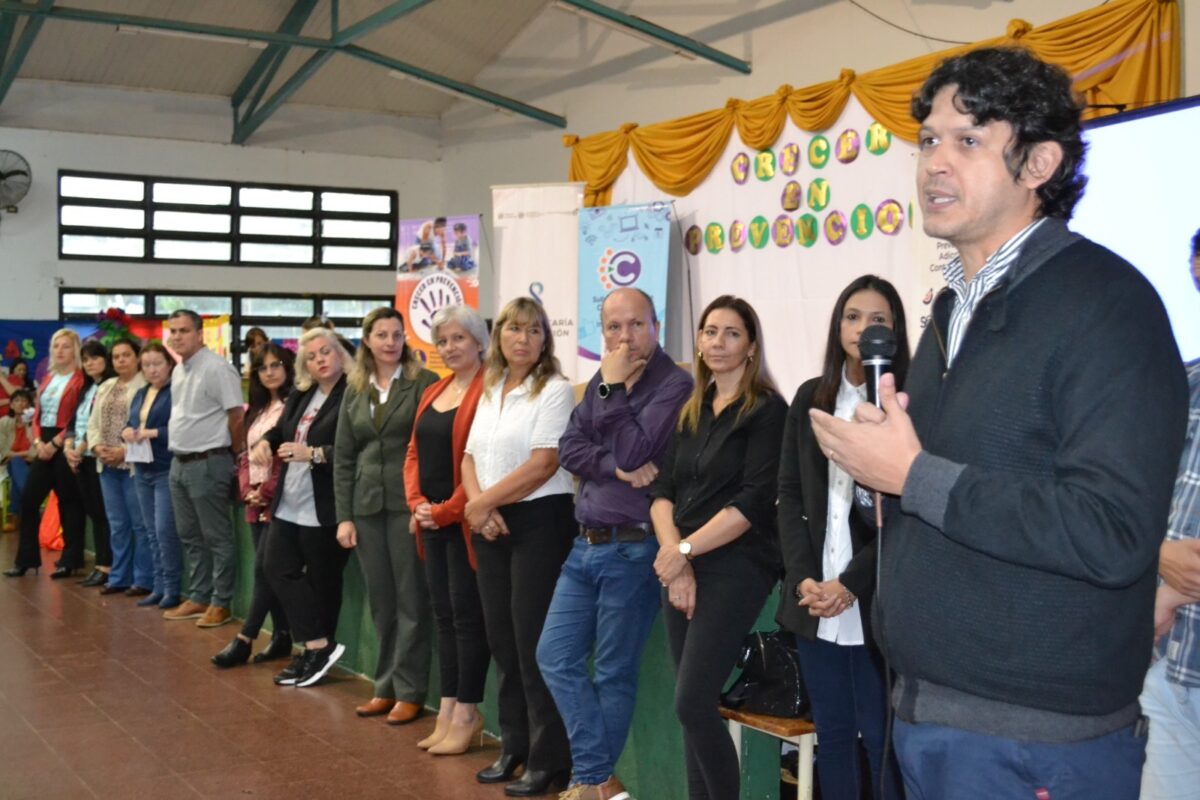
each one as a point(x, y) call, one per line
point(969, 294)
point(1182, 645)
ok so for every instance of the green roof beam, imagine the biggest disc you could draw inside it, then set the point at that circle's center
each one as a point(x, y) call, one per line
point(248, 126)
point(156, 23)
point(685, 46)
point(455, 87)
point(377, 20)
point(11, 63)
point(8, 24)
point(293, 23)
point(440, 82)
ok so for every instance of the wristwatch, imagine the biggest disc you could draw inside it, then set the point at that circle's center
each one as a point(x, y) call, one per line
point(318, 455)
point(605, 389)
point(685, 549)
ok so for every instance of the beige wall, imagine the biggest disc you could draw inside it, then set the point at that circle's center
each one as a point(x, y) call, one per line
point(601, 79)
point(596, 77)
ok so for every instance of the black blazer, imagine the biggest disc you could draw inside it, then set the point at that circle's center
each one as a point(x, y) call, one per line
point(320, 434)
point(803, 512)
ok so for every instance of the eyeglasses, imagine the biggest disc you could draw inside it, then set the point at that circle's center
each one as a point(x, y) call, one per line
point(270, 366)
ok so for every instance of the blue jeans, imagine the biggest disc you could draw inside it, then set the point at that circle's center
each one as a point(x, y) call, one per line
point(941, 762)
point(606, 595)
point(133, 560)
point(845, 684)
point(154, 498)
point(1173, 749)
point(18, 472)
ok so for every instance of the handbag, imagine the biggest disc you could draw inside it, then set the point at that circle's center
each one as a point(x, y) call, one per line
point(771, 682)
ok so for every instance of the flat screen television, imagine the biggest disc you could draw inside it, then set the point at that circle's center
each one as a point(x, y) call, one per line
point(1143, 201)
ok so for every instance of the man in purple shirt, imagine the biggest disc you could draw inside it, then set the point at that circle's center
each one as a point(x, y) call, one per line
point(607, 595)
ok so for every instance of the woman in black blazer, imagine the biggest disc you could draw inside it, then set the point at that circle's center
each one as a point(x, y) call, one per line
point(829, 553)
point(304, 561)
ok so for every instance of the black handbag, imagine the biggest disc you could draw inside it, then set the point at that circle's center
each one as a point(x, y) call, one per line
point(770, 682)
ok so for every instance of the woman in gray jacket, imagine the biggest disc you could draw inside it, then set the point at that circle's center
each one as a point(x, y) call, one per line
point(374, 428)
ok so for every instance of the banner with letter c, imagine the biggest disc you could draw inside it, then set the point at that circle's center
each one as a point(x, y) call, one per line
point(620, 246)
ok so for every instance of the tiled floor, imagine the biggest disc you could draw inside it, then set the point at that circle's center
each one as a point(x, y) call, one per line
point(99, 698)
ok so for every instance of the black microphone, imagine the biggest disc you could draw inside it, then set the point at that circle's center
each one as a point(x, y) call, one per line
point(877, 347)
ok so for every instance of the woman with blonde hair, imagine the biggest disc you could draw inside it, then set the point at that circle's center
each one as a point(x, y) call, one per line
point(304, 562)
point(714, 515)
point(374, 427)
point(53, 416)
point(521, 510)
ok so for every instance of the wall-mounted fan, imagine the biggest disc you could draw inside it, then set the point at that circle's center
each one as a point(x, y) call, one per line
point(15, 178)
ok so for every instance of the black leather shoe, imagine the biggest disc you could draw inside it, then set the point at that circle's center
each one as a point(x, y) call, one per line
point(537, 782)
point(62, 572)
point(19, 572)
point(279, 647)
point(501, 770)
point(83, 581)
point(111, 589)
point(97, 578)
point(235, 653)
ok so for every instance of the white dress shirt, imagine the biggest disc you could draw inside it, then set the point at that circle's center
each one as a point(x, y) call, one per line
point(846, 628)
point(508, 429)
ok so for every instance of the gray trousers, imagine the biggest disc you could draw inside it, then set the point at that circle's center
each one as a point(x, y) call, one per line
point(200, 496)
point(395, 580)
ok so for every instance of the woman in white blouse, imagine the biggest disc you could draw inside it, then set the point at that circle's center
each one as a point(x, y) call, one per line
point(521, 510)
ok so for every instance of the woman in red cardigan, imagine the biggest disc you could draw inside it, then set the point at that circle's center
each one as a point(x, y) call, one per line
point(57, 398)
point(433, 482)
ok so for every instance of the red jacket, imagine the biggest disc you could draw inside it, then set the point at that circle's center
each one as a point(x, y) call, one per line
point(67, 404)
point(451, 511)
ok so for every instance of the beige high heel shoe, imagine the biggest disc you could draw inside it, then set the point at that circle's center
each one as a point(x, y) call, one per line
point(459, 738)
point(439, 732)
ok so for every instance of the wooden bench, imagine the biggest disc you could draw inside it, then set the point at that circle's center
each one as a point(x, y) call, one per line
point(799, 732)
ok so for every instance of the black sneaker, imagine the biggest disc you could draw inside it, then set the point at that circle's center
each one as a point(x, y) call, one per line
point(319, 662)
point(292, 672)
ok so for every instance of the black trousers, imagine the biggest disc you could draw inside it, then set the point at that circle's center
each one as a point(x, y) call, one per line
point(517, 574)
point(263, 599)
point(463, 654)
point(304, 566)
point(44, 477)
point(730, 592)
point(93, 507)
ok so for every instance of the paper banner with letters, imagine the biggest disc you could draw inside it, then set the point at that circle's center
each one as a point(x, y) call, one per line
point(789, 226)
point(619, 246)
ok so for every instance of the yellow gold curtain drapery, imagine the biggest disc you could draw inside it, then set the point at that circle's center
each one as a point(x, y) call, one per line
point(1123, 52)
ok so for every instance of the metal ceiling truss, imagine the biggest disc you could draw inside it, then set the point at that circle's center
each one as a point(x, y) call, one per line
point(10, 63)
point(263, 72)
point(655, 34)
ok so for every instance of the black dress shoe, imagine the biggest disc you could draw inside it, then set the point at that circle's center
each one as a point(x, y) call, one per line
point(138, 591)
point(19, 572)
point(279, 647)
point(111, 589)
point(97, 578)
point(62, 572)
point(235, 653)
point(501, 770)
point(89, 576)
point(537, 782)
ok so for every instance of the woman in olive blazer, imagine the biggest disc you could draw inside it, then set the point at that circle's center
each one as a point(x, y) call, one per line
point(374, 427)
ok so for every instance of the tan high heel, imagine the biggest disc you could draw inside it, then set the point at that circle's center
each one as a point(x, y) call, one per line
point(459, 738)
point(439, 732)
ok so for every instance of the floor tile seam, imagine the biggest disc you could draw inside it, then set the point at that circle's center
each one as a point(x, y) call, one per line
point(62, 760)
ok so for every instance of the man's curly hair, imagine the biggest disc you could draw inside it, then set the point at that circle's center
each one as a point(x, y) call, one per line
point(1009, 84)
